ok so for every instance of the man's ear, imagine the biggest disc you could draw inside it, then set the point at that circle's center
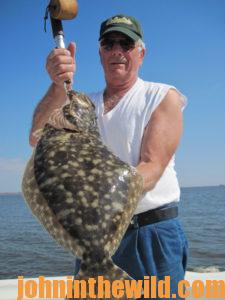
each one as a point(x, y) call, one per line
point(142, 53)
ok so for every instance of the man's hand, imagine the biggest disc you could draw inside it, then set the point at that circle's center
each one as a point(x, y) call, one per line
point(61, 65)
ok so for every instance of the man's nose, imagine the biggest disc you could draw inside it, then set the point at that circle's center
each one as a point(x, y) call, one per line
point(117, 47)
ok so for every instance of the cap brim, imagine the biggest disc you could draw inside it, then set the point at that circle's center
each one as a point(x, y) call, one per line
point(125, 31)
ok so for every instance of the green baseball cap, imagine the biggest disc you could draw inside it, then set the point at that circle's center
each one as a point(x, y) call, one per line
point(124, 24)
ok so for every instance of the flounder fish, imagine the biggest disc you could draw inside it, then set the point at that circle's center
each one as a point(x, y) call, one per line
point(82, 193)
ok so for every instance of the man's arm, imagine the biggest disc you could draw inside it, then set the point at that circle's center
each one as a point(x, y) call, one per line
point(54, 98)
point(61, 67)
point(160, 139)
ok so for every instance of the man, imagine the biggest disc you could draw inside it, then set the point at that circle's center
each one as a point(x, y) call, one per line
point(141, 122)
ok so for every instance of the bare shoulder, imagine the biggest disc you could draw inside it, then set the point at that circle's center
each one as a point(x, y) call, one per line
point(172, 100)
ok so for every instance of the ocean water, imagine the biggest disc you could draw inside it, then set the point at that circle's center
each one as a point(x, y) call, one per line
point(26, 249)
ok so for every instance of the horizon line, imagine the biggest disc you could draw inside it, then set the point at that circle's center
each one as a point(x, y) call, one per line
point(182, 187)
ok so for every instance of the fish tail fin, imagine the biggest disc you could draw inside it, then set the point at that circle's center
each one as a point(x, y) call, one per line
point(95, 281)
point(106, 268)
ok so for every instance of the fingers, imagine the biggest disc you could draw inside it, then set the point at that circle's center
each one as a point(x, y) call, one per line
point(72, 49)
point(60, 64)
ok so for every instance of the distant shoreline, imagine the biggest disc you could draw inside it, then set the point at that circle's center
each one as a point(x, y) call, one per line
point(183, 187)
point(11, 194)
point(203, 186)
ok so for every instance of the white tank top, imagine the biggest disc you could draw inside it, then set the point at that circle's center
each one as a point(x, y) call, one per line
point(122, 129)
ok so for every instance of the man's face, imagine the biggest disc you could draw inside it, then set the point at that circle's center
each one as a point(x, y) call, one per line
point(121, 58)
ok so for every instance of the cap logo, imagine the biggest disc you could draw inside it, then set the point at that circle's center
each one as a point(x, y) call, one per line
point(119, 20)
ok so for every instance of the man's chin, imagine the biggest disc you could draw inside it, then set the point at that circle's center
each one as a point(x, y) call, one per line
point(118, 76)
point(118, 71)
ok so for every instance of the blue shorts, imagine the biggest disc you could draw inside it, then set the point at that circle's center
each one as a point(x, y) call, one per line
point(158, 249)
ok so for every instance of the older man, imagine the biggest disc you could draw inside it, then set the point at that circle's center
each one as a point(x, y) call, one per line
point(141, 122)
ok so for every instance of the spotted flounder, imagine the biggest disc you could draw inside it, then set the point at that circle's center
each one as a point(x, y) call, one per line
point(82, 193)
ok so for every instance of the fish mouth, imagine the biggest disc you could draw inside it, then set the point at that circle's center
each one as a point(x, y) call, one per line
point(81, 99)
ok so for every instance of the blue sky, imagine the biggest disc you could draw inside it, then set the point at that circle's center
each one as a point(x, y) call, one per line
point(185, 42)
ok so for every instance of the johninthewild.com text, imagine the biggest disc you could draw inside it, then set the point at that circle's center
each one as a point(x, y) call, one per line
point(93, 288)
